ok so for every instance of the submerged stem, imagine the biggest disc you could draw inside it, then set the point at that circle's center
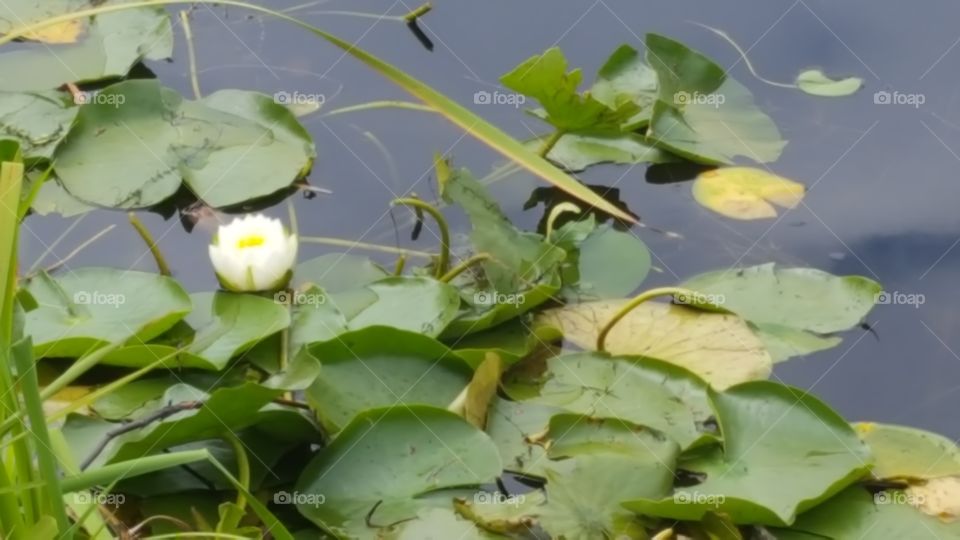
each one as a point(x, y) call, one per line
point(464, 266)
point(151, 244)
point(191, 53)
point(444, 259)
point(633, 304)
point(550, 142)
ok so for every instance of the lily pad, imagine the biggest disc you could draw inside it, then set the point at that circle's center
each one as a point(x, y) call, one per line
point(337, 272)
point(640, 390)
point(382, 460)
point(575, 152)
point(511, 341)
point(382, 366)
point(719, 347)
point(227, 324)
point(605, 263)
point(154, 139)
point(814, 82)
point(765, 473)
point(855, 513)
point(511, 425)
point(14, 13)
point(908, 453)
point(417, 304)
point(38, 121)
point(114, 43)
point(499, 513)
point(938, 497)
point(800, 298)
point(746, 192)
point(90, 307)
point(626, 78)
point(703, 114)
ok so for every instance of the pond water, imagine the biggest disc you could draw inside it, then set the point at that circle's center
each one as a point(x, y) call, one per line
point(882, 179)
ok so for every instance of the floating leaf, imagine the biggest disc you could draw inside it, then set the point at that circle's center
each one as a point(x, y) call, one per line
point(939, 497)
point(604, 263)
point(38, 121)
point(719, 347)
point(90, 307)
point(765, 473)
point(584, 502)
point(382, 460)
point(14, 13)
point(511, 425)
point(746, 192)
point(702, 114)
point(642, 390)
point(417, 304)
point(800, 298)
point(229, 147)
point(510, 341)
point(626, 78)
point(813, 81)
point(382, 366)
point(855, 513)
point(908, 453)
point(576, 151)
point(115, 42)
point(500, 513)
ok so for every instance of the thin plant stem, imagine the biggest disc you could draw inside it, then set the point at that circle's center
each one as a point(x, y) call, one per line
point(151, 244)
point(633, 304)
point(191, 53)
point(444, 260)
point(464, 266)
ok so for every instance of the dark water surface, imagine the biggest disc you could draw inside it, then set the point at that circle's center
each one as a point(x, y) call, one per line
point(882, 178)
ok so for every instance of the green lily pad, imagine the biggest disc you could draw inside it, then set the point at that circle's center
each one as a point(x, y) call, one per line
point(511, 425)
point(603, 263)
point(814, 82)
point(783, 342)
point(574, 435)
point(383, 366)
point(511, 341)
point(114, 43)
point(314, 318)
point(337, 272)
point(155, 139)
point(765, 473)
point(234, 323)
point(855, 513)
point(382, 460)
point(52, 198)
point(800, 298)
point(626, 78)
point(575, 152)
point(90, 307)
point(640, 390)
point(416, 304)
point(907, 453)
point(703, 114)
point(38, 121)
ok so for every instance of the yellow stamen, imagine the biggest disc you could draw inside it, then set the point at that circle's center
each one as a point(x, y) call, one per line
point(250, 241)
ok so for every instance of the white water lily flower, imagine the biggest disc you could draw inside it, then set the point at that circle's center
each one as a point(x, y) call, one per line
point(253, 253)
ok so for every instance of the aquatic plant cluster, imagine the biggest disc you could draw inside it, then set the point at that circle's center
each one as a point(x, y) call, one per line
point(509, 388)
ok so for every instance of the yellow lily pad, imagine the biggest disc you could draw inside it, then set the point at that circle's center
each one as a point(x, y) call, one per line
point(65, 32)
point(939, 497)
point(719, 347)
point(902, 452)
point(746, 193)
